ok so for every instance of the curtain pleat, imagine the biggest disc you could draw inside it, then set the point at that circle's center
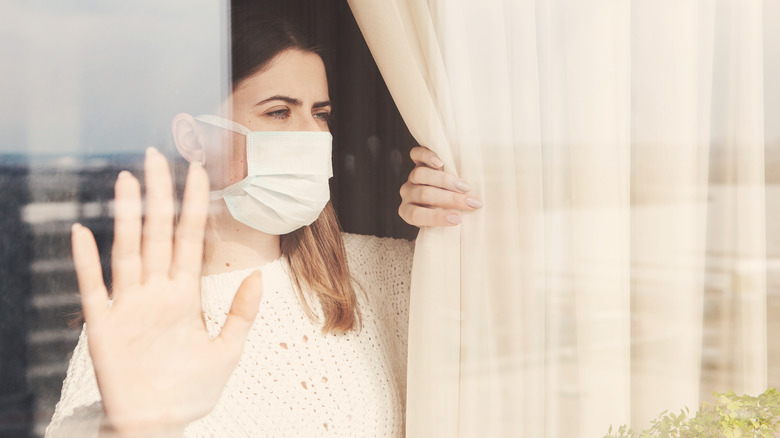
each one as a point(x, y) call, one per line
point(672, 82)
point(403, 35)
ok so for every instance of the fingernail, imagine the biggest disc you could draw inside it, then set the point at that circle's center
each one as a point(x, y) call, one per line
point(462, 186)
point(473, 203)
point(437, 162)
point(123, 174)
point(75, 227)
point(151, 150)
point(453, 219)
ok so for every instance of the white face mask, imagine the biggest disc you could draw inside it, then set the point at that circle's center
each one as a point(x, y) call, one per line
point(287, 178)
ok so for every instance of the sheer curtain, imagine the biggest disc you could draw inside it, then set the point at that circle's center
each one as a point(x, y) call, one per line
point(619, 267)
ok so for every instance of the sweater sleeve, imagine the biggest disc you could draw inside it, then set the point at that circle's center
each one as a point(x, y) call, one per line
point(79, 411)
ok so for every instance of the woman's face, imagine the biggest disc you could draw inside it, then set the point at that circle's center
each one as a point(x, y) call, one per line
point(291, 94)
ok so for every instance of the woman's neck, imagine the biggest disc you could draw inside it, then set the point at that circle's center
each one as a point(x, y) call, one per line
point(231, 245)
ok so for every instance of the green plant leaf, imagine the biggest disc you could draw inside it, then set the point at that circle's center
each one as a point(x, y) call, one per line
point(730, 415)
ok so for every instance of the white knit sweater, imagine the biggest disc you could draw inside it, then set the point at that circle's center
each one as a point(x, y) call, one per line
point(291, 380)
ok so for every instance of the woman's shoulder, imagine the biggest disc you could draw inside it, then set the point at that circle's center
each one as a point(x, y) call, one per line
point(382, 268)
point(378, 257)
point(377, 248)
point(373, 242)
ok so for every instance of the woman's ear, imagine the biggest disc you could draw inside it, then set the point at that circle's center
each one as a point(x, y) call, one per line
point(188, 139)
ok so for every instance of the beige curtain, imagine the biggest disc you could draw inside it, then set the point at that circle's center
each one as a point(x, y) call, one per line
point(619, 266)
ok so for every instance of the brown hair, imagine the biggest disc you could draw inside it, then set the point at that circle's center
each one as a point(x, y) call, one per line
point(315, 253)
point(317, 256)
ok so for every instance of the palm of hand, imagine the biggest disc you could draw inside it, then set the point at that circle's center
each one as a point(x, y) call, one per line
point(152, 351)
point(156, 366)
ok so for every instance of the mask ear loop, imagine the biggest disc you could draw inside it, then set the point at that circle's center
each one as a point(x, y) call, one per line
point(221, 123)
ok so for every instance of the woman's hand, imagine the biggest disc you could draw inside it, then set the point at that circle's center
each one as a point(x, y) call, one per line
point(156, 366)
point(432, 197)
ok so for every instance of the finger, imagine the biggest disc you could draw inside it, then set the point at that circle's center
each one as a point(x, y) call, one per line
point(158, 229)
point(424, 156)
point(422, 175)
point(435, 197)
point(188, 247)
point(242, 314)
point(126, 250)
point(420, 216)
point(89, 273)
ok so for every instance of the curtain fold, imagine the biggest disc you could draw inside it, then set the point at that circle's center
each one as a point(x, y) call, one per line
point(434, 316)
point(619, 266)
point(672, 80)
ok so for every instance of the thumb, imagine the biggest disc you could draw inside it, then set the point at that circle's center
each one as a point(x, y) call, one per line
point(242, 312)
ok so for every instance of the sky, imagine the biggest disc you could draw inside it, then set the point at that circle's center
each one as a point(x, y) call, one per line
point(94, 76)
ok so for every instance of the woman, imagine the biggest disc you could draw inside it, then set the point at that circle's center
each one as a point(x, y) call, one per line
point(285, 327)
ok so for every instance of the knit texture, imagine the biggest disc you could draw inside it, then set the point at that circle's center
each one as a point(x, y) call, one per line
point(291, 379)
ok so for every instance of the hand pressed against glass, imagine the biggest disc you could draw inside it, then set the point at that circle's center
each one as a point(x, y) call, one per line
point(156, 366)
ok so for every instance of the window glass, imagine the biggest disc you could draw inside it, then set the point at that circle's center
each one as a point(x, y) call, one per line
point(88, 86)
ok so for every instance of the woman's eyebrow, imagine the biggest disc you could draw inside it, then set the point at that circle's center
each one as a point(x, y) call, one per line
point(293, 101)
point(290, 100)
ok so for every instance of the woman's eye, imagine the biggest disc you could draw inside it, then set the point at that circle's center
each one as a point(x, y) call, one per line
point(322, 116)
point(279, 114)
